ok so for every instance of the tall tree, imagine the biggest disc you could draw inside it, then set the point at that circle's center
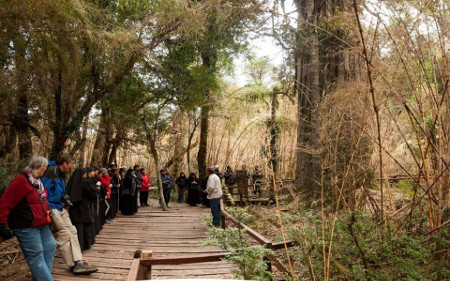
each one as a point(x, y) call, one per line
point(225, 32)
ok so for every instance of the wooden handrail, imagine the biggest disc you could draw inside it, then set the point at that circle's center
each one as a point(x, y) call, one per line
point(255, 235)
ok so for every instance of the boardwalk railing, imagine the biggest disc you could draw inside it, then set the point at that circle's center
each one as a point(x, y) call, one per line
point(141, 267)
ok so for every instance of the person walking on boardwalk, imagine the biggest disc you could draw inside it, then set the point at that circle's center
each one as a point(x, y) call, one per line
point(193, 184)
point(214, 194)
point(25, 209)
point(146, 183)
point(65, 233)
point(181, 182)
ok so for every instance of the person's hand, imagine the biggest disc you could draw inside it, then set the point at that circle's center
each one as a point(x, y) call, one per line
point(118, 185)
point(5, 232)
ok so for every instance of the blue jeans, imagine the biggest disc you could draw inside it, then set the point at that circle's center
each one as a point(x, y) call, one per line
point(38, 246)
point(215, 210)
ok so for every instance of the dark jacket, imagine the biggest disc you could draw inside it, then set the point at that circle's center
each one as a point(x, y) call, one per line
point(138, 179)
point(166, 181)
point(81, 211)
point(181, 182)
point(55, 182)
point(21, 205)
point(230, 177)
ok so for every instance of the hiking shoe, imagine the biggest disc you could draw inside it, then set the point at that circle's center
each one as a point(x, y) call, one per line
point(84, 269)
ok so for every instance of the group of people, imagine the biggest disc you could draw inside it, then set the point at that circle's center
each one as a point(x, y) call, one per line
point(209, 191)
point(229, 177)
point(44, 213)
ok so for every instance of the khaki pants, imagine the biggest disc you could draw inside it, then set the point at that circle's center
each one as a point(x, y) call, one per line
point(66, 237)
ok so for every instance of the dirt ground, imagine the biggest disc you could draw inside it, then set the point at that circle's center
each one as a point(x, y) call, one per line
point(13, 266)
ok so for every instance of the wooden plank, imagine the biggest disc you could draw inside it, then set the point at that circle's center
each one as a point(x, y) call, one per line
point(280, 245)
point(134, 270)
point(184, 259)
point(277, 263)
point(255, 235)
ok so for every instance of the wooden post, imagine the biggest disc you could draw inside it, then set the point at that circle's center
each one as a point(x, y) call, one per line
point(242, 184)
point(269, 265)
point(146, 255)
point(224, 221)
point(133, 275)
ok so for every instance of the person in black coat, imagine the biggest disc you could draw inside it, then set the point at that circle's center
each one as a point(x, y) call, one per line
point(115, 182)
point(193, 184)
point(82, 193)
point(181, 182)
point(129, 194)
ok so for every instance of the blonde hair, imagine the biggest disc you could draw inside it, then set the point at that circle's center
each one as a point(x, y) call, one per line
point(36, 162)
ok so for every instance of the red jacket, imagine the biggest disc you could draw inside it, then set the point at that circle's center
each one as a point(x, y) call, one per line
point(146, 182)
point(21, 207)
point(106, 181)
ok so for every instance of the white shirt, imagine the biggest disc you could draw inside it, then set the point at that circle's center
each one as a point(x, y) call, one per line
point(213, 187)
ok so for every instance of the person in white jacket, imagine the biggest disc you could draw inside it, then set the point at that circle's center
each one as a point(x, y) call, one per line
point(214, 193)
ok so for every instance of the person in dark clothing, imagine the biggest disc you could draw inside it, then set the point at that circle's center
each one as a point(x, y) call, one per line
point(138, 179)
point(97, 204)
point(181, 182)
point(257, 179)
point(82, 193)
point(230, 179)
point(166, 181)
point(115, 181)
point(193, 184)
point(204, 196)
point(129, 201)
point(121, 176)
point(93, 203)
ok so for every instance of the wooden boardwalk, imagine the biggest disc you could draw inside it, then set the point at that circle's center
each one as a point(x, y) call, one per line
point(178, 232)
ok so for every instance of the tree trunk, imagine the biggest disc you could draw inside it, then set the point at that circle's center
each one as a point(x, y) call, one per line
point(274, 146)
point(59, 136)
point(22, 119)
point(308, 90)
point(202, 150)
point(155, 156)
point(191, 136)
point(84, 138)
point(102, 142)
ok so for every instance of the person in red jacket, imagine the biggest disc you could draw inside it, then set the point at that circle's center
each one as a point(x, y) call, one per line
point(105, 179)
point(146, 183)
point(24, 209)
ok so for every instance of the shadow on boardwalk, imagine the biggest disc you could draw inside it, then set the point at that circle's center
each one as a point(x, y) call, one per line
point(178, 232)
